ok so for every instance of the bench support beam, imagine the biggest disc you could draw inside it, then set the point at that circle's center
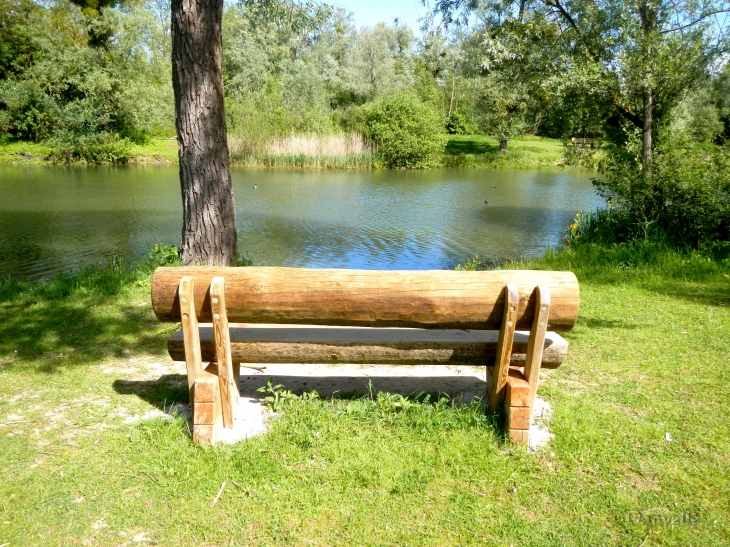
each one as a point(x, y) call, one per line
point(226, 373)
point(536, 343)
point(504, 346)
point(191, 333)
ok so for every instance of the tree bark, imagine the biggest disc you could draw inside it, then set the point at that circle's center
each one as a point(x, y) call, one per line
point(502, 145)
point(209, 217)
point(648, 125)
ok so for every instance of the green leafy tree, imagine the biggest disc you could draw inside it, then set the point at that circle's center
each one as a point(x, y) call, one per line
point(407, 132)
point(637, 58)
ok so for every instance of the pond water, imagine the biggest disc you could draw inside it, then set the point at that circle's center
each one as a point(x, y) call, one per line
point(56, 219)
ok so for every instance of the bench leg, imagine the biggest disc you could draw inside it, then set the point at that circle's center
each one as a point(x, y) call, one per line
point(516, 407)
point(504, 346)
point(193, 359)
point(206, 406)
point(226, 372)
point(523, 388)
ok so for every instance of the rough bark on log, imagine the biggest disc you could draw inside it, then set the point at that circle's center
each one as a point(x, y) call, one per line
point(423, 299)
point(359, 345)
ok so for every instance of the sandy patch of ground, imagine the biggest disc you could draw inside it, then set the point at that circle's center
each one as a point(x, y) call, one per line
point(139, 373)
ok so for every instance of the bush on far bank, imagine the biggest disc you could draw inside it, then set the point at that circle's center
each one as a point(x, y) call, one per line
point(406, 131)
point(682, 199)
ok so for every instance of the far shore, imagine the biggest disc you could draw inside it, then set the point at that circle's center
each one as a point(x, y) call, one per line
point(462, 151)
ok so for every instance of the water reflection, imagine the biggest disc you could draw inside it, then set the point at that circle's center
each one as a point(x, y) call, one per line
point(54, 219)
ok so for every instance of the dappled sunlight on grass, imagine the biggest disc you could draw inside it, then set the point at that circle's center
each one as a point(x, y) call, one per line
point(77, 319)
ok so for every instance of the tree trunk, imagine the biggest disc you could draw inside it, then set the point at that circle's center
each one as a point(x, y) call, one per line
point(648, 14)
point(648, 125)
point(209, 218)
point(453, 92)
point(502, 145)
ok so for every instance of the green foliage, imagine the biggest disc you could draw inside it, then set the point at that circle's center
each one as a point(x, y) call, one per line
point(98, 148)
point(583, 156)
point(164, 255)
point(87, 100)
point(697, 117)
point(406, 132)
point(244, 260)
point(83, 137)
point(684, 197)
point(276, 397)
point(470, 265)
point(457, 124)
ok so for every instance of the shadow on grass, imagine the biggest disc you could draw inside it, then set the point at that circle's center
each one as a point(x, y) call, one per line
point(459, 146)
point(386, 396)
point(173, 388)
point(598, 323)
point(166, 390)
point(77, 320)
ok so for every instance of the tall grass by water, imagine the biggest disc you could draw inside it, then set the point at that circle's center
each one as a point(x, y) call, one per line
point(333, 151)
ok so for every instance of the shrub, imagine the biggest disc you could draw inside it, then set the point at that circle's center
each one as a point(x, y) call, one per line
point(103, 147)
point(684, 198)
point(406, 132)
point(457, 124)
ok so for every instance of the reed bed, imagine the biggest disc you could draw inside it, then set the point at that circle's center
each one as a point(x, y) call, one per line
point(310, 151)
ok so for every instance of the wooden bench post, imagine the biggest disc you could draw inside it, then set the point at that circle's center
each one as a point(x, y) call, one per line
point(536, 343)
point(191, 333)
point(522, 388)
point(226, 373)
point(205, 404)
point(504, 346)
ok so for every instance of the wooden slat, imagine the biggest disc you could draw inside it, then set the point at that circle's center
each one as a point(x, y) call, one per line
point(504, 346)
point(186, 302)
point(424, 299)
point(317, 344)
point(228, 382)
point(535, 345)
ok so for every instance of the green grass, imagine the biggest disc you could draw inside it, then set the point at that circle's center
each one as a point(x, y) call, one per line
point(24, 153)
point(155, 151)
point(29, 153)
point(483, 151)
point(649, 356)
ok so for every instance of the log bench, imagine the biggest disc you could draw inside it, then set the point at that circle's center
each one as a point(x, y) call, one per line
point(506, 320)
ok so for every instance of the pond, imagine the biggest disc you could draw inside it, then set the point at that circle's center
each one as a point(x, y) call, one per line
point(56, 219)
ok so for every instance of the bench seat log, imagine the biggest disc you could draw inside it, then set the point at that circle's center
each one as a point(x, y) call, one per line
point(422, 299)
point(363, 345)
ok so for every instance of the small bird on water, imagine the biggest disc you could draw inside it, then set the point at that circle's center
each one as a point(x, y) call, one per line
point(485, 201)
point(255, 187)
point(494, 185)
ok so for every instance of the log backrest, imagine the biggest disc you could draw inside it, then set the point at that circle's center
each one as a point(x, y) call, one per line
point(422, 299)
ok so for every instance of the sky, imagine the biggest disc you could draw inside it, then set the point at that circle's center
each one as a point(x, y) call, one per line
point(369, 12)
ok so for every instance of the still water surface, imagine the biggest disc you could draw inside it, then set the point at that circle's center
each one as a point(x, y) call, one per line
point(57, 219)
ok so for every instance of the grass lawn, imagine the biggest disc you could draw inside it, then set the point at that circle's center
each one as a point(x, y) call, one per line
point(29, 153)
point(155, 151)
point(483, 151)
point(86, 459)
point(24, 153)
